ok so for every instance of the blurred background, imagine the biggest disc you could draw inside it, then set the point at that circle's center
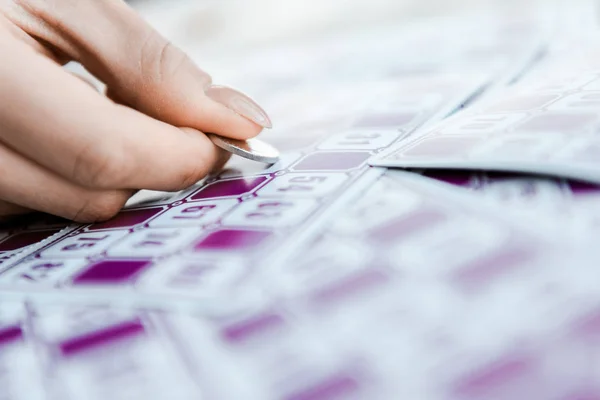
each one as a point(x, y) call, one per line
point(243, 23)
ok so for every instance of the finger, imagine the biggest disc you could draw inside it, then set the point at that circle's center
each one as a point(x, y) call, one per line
point(12, 32)
point(240, 103)
point(87, 139)
point(9, 209)
point(25, 185)
point(140, 66)
point(81, 73)
point(85, 80)
point(224, 157)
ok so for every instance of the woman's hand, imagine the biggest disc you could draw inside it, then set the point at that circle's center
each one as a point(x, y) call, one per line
point(67, 149)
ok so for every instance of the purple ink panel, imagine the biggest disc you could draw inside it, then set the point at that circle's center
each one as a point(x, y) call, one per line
point(588, 327)
point(230, 187)
point(110, 272)
point(251, 328)
point(522, 103)
point(494, 176)
point(500, 374)
point(494, 265)
point(398, 229)
point(127, 218)
point(557, 122)
point(106, 336)
point(396, 120)
point(337, 387)
point(350, 286)
point(456, 178)
point(583, 188)
point(10, 334)
point(24, 239)
point(232, 239)
point(332, 161)
point(441, 147)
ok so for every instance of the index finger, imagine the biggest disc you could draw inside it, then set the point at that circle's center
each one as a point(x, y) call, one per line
point(140, 66)
point(64, 125)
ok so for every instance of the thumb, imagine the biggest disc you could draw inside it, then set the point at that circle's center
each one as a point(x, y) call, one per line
point(143, 69)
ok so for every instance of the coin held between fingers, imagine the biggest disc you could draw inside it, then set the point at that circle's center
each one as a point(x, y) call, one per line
point(252, 149)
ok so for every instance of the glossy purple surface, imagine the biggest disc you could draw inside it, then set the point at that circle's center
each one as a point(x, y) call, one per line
point(232, 239)
point(9, 334)
point(456, 178)
point(24, 239)
point(350, 285)
point(337, 387)
point(231, 187)
point(487, 380)
point(589, 327)
point(128, 218)
point(584, 188)
point(490, 266)
point(253, 327)
point(111, 271)
point(101, 337)
point(399, 228)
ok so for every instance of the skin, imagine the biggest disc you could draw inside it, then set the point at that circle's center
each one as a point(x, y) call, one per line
point(67, 149)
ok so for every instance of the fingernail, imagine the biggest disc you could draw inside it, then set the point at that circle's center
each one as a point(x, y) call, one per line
point(240, 103)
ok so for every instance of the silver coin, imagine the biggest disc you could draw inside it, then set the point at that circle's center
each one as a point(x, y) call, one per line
point(252, 149)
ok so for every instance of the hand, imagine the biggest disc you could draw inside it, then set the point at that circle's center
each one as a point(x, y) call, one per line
point(67, 149)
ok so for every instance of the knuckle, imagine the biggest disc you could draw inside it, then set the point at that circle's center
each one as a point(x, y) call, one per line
point(207, 79)
point(160, 57)
point(169, 60)
point(99, 207)
point(162, 61)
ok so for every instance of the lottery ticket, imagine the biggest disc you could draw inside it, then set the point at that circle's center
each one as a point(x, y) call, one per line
point(23, 235)
point(546, 124)
point(326, 132)
point(238, 218)
point(391, 300)
point(88, 352)
point(353, 99)
point(400, 242)
point(567, 208)
point(550, 129)
point(315, 278)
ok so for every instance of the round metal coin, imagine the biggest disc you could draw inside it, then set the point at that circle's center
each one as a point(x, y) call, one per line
point(252, 149)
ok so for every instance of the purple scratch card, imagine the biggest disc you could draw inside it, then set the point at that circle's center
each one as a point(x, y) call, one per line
point(545, 125)
point(244, 218)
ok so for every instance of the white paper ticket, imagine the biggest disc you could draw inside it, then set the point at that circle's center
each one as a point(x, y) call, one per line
point(567, 208)
point(316, 278)
point(545, 125)
point(490, 308)
point(327, 129)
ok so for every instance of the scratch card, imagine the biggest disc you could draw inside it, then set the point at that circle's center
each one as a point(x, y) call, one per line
point(549, 126)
